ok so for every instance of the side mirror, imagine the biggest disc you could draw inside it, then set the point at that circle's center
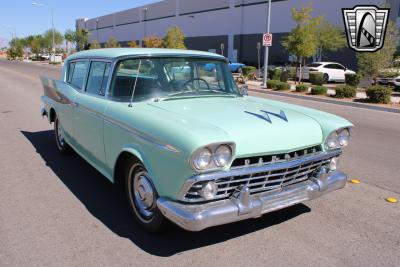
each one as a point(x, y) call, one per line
point(243, 90)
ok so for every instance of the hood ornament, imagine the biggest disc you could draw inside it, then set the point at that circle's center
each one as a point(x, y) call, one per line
point(265, 115)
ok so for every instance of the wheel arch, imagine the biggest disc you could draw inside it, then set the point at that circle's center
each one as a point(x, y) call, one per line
point(127, 154)
point(52, 115)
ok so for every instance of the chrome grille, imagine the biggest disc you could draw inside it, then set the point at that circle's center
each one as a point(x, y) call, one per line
point(267, 159)
point(274, 179)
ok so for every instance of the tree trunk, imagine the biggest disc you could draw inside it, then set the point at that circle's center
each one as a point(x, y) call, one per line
point(300, 70)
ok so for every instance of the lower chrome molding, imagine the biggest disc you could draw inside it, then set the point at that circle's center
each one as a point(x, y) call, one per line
point(196, 217)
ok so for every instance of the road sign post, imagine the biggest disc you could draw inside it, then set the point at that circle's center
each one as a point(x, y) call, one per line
point(267, 47)
point(258, 58)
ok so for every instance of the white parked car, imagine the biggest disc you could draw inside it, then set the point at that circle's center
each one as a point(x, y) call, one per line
point(390, 81)
point(332, 71)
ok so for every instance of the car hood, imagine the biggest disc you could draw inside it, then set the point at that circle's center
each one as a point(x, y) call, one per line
point(256, 126)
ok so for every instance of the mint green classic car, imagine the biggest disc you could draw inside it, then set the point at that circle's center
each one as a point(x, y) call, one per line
point(185, 142)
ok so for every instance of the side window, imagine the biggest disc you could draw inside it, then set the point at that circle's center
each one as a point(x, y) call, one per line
point(330, 66)
point(79, 73)
point(98, 77)
point(70, 71)
point(339, 67)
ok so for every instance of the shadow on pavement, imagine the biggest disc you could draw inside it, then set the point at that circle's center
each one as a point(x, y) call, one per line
point(107, 203)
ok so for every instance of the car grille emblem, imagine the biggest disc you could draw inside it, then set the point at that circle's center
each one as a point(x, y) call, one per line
point(265, 115)
point(365, 27)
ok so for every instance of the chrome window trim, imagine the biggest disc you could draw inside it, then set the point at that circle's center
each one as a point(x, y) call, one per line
point(91, 60)
point(255, 169)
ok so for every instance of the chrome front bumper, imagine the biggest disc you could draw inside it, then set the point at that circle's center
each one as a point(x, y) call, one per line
point(242, 205)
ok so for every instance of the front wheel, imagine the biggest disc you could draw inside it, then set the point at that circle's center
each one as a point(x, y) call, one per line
point(142, 198)
point(62, 146)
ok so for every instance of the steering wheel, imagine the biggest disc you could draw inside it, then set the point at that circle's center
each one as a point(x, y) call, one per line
point(197, 79)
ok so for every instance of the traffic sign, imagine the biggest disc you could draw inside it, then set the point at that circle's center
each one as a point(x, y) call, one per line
point(267, 39)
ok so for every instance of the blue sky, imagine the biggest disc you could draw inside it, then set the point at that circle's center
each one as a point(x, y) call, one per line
point(28, 19)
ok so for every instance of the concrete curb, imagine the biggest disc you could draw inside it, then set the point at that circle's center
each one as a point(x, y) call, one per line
point(330, 101)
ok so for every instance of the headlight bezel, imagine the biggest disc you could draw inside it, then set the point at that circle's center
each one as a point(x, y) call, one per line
point(335, 140)
point(212, 165)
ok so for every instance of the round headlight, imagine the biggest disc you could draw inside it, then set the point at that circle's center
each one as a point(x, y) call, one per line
point(332, 141)
point(209, 190)
point(222, 155)
point(202, 159)
point(333, 163)
point(344, 137)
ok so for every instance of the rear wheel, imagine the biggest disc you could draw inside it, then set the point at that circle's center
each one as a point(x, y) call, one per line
point(142, 198)
point(326, 78)
point(62, 145)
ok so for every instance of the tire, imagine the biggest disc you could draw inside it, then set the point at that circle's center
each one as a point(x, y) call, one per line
point(142, 198)
point(326, 78)
point(62, 145)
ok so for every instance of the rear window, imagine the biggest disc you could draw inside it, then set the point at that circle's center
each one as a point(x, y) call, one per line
point(314, 65)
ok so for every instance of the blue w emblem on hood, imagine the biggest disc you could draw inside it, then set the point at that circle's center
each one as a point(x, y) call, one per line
point(266, 114)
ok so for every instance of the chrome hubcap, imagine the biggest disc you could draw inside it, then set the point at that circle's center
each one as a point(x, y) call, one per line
point(143, 194)
point(60, 133)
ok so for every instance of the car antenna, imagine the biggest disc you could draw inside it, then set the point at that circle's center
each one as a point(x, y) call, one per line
point(134, 86)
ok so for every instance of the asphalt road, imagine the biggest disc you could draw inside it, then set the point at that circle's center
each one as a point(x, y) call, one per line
point(57, 210)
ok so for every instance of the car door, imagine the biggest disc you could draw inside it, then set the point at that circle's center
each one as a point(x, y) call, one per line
point(330, 70)
point(340, 72)
point(89, 110)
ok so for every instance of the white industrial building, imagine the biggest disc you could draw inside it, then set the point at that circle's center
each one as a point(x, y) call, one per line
point(234, 26)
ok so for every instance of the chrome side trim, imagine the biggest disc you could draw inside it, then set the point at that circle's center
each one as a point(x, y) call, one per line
point(141, 135)
point(196, 217)
point(254, 169)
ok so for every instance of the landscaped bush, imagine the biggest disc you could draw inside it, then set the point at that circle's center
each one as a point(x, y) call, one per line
point(284, 76)
point(345, 91)
point(301, 88)
point(247, 70)
point(292, 73)
point(277, 74)
point(316, 78)
point(379, 94)
point(282, 86)
point(271, 84)
point(352, 79)
point(388, 73)
point(319, 90)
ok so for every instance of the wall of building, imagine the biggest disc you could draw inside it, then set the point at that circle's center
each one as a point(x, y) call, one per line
point(237, 24)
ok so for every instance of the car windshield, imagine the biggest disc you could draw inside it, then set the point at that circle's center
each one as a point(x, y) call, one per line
point(171, 78)
point(314, 65)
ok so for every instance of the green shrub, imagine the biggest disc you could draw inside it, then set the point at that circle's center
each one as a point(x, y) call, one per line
point(345, 91)
point(282, 86)
point(379, 94)
point(352, 79)
point(277, 74)
point(292, 73)
point(301, 88)
point(284, 76)
point(271, 84)
point(316, 78)
point(319, 90)
point(247, 70)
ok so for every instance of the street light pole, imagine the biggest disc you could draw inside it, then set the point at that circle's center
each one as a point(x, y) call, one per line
point(53, 49)
point(265, 78)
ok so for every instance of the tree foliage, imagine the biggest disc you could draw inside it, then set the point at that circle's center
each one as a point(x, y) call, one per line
point(16, 49)
point(174, 38)
point(48, 40)
point(302, 41)
point(112, 42)
point(95, 44)
point(81, 39)
point(69, 36)
point(369, 63)
point(153, 42)
point(133, 44)
point(329, 38)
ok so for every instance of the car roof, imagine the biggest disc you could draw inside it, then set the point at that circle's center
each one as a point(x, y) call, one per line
point(325, 62)
point(112, 53)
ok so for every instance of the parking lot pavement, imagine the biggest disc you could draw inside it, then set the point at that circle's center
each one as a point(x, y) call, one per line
point(57, 210)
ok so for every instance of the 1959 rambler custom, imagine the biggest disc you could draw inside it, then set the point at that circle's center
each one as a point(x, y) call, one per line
point(187, 144)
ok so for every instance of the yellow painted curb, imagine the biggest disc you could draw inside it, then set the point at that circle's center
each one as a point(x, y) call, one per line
point(391, 200)
point(354, 181)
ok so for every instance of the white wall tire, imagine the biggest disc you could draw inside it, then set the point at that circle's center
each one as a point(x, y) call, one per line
point(62, 145)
